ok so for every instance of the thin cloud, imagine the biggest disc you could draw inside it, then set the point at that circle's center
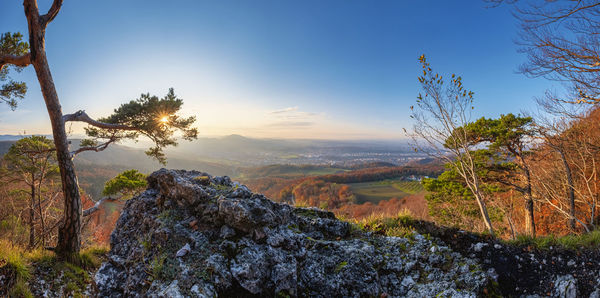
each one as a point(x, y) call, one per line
point(291, 124)
point(291, 118)
point(286, 110)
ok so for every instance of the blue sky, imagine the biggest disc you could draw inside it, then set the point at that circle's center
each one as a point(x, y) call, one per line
point(292, 69)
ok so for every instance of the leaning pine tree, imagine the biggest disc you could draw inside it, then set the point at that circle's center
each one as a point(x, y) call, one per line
point(149, 116)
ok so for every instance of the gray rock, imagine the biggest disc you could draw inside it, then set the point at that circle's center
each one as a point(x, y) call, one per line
point(479, 246)
point(183, 251)
point(231, 242)
point(565, 286)
point(226, 232)
point(171, 291)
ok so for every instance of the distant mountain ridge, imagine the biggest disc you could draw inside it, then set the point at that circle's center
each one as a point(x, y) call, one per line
point(18, 137)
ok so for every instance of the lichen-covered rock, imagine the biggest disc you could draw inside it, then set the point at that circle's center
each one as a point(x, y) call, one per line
point(193, 235)
point(565, 286)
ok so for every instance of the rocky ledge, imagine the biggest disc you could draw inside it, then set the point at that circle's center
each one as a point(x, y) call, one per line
point(195, 235)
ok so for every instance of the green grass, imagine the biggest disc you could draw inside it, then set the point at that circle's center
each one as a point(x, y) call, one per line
point(409, 187)
point(91, 257)
point(14, 256)
point(570, 242)
point(384, 190)
point(17, 260)
point(398, 226)
point(24, 263)
point(20, 289)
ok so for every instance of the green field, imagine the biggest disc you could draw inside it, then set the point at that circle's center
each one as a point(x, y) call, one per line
point(384, 190)
point(288, 171)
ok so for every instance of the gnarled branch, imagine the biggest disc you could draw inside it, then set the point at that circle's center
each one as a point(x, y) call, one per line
point(96, 206)
point(52, 12)
point(20, 61)
point(98, 148)
point(81, 116)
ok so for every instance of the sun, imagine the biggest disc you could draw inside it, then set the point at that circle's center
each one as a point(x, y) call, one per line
point(164, 119)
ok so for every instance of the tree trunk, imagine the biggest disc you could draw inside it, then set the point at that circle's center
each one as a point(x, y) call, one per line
point(32, 216)
point(40, 211)
point(482, 207)
point(69, 233)
point(484, 214)
point(570, 190)
point(530, 218)
point(513, 233)
point(468, 173)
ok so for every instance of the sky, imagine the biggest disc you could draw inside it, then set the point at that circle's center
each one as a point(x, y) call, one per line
point(317, 69)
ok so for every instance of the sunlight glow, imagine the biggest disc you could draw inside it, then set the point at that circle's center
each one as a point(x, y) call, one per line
point(164, 119)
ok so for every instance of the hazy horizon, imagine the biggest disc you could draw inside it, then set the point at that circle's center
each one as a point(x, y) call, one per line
point(144, 143)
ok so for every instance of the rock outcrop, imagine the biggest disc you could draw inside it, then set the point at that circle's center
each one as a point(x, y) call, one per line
point(194, 235)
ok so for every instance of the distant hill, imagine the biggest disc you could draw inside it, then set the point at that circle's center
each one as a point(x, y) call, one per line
point(17, 137)
point(428, 161)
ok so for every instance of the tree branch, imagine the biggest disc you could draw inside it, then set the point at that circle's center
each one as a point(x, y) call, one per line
point(20, 61)
point(52, 12)
point(81, 116)
point(98, 148)
point(96, 206)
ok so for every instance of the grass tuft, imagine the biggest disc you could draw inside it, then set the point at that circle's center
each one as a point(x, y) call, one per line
point(90, 258)
point(14, 256)
point(21, 290)
point(570, 242)
point(399, 226)
point(21, 263)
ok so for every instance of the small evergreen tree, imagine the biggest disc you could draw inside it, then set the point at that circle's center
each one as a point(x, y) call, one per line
point(126, 184)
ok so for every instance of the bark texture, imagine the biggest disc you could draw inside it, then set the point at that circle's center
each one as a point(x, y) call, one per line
point(530, 219)
point(69, 235)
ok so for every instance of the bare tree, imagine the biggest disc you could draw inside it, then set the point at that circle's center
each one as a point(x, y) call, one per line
point(562, 43)
point(550, 134)
point(570, 138)
point(441, 116)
